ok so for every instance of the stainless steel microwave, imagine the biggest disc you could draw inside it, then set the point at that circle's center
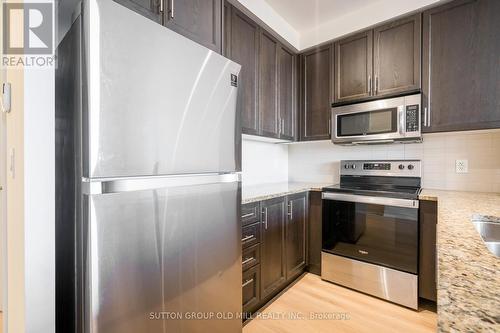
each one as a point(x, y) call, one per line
point(382, 121)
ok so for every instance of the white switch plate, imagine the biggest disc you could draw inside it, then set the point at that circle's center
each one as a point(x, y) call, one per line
point(462, 166)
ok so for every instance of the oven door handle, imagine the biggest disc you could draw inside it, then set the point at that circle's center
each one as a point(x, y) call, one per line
point(395, 202)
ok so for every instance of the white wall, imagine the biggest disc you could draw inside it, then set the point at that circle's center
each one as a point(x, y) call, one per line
point(39, 180)
point(264, 162)
point(319, 161)
point(271, 18)
point(377, 12)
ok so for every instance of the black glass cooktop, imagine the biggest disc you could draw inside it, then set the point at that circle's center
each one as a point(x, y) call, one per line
point(391, 187)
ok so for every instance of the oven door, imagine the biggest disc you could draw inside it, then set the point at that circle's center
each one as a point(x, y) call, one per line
point(376, 230)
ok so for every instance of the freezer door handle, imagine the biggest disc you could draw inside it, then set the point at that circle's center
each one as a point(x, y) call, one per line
point(130, 184)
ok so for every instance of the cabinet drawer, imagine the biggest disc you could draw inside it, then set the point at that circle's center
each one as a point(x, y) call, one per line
point(250, 257)
point(250, 213)
point(250, 235)
point(251, 288)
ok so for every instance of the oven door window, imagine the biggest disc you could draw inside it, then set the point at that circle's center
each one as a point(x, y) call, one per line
point(382, 235)
point(367, 123)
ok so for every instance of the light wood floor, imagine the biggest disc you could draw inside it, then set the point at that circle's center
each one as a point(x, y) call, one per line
point(311, 295)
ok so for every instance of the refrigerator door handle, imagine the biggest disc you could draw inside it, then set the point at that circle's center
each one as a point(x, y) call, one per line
point(130, 184)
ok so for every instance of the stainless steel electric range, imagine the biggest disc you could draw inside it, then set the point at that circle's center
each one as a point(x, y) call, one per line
point(370, 229)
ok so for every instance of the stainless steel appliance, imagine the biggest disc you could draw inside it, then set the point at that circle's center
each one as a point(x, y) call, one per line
point(370, 229)
point(148, 234)
point(382, 121)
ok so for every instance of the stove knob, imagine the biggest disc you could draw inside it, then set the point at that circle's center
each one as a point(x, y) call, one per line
point(353, 166)
point(401, 167)
point(410, 167)
point(346, 166)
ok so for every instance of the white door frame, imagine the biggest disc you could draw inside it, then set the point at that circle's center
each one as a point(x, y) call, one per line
point(3, 213)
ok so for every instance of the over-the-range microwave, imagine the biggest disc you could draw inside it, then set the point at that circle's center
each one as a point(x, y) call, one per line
point(381, 121)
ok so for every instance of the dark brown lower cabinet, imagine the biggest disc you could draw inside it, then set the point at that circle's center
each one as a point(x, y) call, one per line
point(274, 249)
point(427, 253)
point(295, 231)
point(273, 273)
point(251, 288)
point(314, 233)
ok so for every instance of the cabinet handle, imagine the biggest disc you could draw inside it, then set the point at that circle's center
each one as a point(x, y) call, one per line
point(246, 283)
point(161, 6)
point(376, 85)
point(246, 215)
point(330, 126)
point(369, 84)
point(172, 4)
point(429, 115)
point(290, 210)
point(264, 212)
point(246, 261)
point(244, 239)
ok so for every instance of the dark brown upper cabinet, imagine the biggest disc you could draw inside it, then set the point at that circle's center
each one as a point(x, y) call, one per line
point(379, 62)
point(270, 123)
point(396, 56)
point(287, 85)
point(295, 231)
point(353, 67)
point(316, 93)
point(148, 8)
point(242, 46)
point(461, 69)
point(267, 91)
point(198, 20)
point(273, 271)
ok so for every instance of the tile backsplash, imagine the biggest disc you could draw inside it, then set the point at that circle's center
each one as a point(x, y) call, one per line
point(319, 161)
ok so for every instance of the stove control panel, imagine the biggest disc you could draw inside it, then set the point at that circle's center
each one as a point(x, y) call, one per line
point(376, 166)
point(392, 168)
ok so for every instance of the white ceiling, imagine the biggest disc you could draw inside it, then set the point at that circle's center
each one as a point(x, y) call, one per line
point(307, 15)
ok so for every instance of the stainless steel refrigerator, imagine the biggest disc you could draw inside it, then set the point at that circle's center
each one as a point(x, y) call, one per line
point(148, 237)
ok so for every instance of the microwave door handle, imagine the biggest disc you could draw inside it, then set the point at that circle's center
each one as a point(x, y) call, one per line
point(401, 116)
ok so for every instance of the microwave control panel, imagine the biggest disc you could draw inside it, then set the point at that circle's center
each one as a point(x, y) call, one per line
point(412, 121)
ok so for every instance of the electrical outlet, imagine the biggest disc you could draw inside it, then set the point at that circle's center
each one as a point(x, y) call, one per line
point(461, 166)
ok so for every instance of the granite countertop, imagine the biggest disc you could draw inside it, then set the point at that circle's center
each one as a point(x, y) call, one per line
point(468, 274)
point(260, 192)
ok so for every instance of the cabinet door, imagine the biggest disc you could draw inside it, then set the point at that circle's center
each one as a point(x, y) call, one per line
point(314, 227)
point(353, 67)
point(268, 86)
point(461, 70)
point(287, 92)
point(198, 20)
point(295, 232)
point(427, 250)
point(396, 56)
point(147, 8)
point(273, 273)
point(251, 288)
point(316, 94)
point(243, 45)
